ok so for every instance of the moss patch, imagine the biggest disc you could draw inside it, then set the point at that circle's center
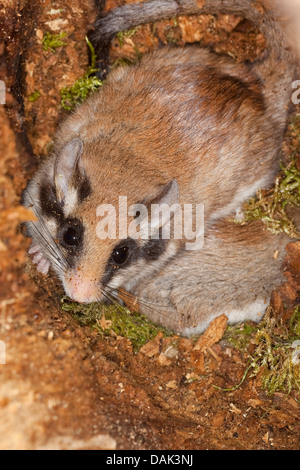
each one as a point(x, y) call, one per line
point(53, 41)
point(277, 355)
point(83, 87)
point(240, 335)
point(121, 35)
point(118, 320)
point(271, 206)
point(34, 96)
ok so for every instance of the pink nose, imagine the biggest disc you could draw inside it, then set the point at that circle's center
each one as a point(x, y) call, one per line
point(81, 290)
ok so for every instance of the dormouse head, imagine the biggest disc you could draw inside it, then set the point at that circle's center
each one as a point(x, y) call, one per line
point(95, 228)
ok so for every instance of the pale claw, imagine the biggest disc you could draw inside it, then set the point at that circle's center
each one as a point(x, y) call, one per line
point(43, 265)
point(33, 249)
point(37, 257)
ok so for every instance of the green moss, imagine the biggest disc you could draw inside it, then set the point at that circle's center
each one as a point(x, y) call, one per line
point(34, 96)
point(277, 354)
point(295, 323)
point(83, 87)
point(271, 206)
point(126, 34)
point(121, 39)
point(78, 93)
point(171, 33)
point(239, 335)
point(119, 320)
point(53, 41)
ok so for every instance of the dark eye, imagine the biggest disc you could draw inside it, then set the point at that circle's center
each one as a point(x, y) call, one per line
point(120, 255)
point(71, 237)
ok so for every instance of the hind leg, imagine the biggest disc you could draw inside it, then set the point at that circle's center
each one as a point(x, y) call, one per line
point(234, 274)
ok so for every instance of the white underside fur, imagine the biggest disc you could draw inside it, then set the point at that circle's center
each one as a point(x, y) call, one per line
point(252, 312)
point(240, 197)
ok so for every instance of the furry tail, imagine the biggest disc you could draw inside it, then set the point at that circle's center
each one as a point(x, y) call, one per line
point(278, 69)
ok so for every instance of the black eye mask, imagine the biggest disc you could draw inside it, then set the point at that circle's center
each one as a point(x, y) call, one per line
point(50, 207)
point(70, 235)
point(129, 251)
point(124, 254)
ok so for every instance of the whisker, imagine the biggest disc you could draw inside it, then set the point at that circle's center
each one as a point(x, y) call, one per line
point(41, 221)
point(113, 299)
point(60, 262)
point(53, 255)
point(50, 245)
point(139, 300)
point(156, 308)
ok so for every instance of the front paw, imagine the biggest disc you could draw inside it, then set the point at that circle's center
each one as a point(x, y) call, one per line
point(43, 264)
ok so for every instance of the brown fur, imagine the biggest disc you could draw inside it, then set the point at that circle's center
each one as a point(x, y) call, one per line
point(234, 274)
point(184, 115)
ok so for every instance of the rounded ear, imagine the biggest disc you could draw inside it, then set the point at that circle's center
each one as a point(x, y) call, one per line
point(66, 165)
point(168, 194)
point(163, 206)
